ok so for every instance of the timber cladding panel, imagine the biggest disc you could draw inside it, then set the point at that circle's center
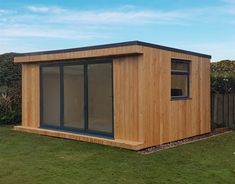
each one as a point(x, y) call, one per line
point(168, 120)
point(144, 113)
point(126, 99)
point(30, 95)
point(97, 53)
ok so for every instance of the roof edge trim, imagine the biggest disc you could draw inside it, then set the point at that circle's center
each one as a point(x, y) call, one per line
point(121, 44)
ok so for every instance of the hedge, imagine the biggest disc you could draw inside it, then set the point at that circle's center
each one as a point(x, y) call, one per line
point(223, 77)
point(10, 90)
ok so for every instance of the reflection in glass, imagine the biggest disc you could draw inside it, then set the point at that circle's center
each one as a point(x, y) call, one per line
point(179, 66)
point(100, 97)
point(179, 85)
point(51, 95)
point(74, 96)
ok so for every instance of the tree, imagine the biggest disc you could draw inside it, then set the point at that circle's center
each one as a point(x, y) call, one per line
point(223, 77)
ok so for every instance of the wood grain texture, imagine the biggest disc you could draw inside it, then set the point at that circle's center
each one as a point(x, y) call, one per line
point(98, 140)
point(143, 109)
point(30, 95)
point(167, 120)
point(97, 53)
point(126, 99)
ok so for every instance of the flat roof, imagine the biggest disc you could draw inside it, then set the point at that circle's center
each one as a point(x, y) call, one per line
point(104, 46)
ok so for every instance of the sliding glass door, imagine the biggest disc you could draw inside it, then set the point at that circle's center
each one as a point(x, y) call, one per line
point(74, 96)
point(50, 96)
point(77, 97)
point(100, 97)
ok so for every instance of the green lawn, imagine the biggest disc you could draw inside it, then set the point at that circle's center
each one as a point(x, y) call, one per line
point(30, 158)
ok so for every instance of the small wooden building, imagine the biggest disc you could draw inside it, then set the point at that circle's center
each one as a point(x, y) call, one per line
point(132, 95)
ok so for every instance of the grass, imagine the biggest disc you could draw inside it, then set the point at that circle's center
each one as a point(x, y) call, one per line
point(29, 158)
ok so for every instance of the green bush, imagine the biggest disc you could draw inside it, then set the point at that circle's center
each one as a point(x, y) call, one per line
point(223, 77)
point(10, 90)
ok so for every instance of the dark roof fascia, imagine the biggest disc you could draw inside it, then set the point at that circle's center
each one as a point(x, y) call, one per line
point(173, 49)
point(121, 44)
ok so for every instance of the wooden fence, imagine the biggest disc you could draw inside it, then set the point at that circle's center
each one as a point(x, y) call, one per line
point(223, 110)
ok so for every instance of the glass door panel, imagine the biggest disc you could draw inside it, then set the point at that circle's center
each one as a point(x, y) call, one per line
point(100, 97)
point(74, 96)
point(51, 96)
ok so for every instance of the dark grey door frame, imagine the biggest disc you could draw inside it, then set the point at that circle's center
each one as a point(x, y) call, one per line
point(85, 130)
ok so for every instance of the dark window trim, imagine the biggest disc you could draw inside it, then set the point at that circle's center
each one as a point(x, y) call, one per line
point(174, 72)
point(184, 73)
point(78, 131)
point(173, 98)
point(41, 96)
point(71, 62)
point(61, 97)
point(180, 60)
point(61, 127)
point(86, 113)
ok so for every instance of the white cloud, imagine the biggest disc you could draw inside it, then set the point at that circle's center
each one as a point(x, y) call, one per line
point(118, 17)
point(6, 12)
point(127, 7)
point(229, 7)
point(45, 9)
point(229, 1)
point(58, 23)
point(12, 45)
point(50, 22)
point(126, 14)
point(26, 31)
point(2, 11)
point(218, 49)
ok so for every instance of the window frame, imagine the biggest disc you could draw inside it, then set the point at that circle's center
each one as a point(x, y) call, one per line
point(182, 73)
point(61, 127)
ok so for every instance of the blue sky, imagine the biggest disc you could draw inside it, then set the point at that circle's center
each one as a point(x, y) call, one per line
point(206, 26)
